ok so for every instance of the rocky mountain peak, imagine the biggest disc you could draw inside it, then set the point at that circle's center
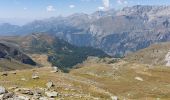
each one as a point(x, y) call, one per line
point(143, 10)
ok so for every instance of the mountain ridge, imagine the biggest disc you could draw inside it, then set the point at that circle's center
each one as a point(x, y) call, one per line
point(117, 32)
point(12, 58)
point(59, 52)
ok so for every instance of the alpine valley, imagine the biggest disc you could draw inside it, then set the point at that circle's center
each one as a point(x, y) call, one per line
point(107, 55)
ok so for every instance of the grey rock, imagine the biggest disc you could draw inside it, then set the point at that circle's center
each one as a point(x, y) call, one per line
point(13, 72)
point(21, 97)
point(17, 90)
point(114, 98)
point(51, 94)
point(4, 74)
point(12, 88)
point(23, 79)
point(35, 77)
point(139, 78)
point(2, 90)
point(26, 91)
point(8, 95)
point(35, 97)
point(54, 69)
point(37, 94)
point(49, 84)
point(43, 98)
point(1, 96)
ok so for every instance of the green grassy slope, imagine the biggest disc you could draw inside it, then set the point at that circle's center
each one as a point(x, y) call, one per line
point(7, 65)
point(153, 55)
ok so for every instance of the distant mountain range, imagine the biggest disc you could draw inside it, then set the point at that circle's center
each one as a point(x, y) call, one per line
point(117, 32)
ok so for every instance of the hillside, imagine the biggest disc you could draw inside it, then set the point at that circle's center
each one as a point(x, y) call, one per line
point(94, 79)
point(11, 58)
point(126, 80)
point(153, 55)
point(11, 51)
point(8, 65)
point(59, 52)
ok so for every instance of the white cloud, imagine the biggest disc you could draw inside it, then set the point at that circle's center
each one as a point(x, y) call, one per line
point(122, 2)
point(72, 6)
point(101, 8)
point(50, 8)
point(106, 4)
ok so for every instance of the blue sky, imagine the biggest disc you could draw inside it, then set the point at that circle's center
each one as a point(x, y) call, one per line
point(38, 9)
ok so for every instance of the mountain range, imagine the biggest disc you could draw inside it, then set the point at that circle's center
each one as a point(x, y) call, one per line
point(117, 32)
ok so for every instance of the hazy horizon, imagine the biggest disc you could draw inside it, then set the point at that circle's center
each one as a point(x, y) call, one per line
point(20, 12)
